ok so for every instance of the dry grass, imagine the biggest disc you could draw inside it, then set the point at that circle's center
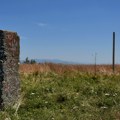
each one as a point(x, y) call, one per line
point(61, 68)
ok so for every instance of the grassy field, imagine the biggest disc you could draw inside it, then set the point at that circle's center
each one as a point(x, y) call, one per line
point(61, 68)
point(61, 93)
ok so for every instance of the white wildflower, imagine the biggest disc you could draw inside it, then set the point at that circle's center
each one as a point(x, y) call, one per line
point(107, 94)
point(104, 107)
point(46, 102)
point(32, 93)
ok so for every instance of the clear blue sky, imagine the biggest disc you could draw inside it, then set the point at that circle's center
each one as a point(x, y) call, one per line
point(71, 30)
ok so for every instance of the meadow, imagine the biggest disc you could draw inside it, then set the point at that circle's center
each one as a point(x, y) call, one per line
point(67, 92)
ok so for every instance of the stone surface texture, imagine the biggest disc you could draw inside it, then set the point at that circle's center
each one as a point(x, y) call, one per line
point(9, 75)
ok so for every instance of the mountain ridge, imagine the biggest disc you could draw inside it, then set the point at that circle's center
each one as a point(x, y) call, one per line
point(57, 61)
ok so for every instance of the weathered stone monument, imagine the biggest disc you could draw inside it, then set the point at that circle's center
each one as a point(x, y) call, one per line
point(9, 65)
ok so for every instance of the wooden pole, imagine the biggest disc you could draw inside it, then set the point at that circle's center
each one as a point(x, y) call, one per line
point(95, 63)
point(113, 64)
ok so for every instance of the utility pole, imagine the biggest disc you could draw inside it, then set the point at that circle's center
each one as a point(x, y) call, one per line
point(113, 57)
point(95, 63)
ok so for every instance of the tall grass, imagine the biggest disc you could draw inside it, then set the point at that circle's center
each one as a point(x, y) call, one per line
point(61, 68)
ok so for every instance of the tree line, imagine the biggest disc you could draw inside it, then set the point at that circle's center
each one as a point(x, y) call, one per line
point(29, 61)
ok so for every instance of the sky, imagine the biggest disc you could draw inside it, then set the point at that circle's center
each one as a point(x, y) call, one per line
point(70, 30)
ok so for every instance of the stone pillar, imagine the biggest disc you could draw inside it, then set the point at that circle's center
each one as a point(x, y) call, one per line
point(9, 65)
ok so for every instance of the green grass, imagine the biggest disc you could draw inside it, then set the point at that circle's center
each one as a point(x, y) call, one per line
point(70, 96)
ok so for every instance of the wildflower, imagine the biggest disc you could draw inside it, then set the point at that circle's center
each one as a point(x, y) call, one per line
point(46, 102)
point(104, 107)
point(107, 94)
point(32, 93)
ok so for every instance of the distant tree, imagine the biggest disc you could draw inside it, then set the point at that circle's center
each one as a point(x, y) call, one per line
point(32, 61)
point(27, 61)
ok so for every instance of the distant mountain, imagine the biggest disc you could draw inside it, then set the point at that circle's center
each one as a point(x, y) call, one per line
point(54, 61)
point(57, 61)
